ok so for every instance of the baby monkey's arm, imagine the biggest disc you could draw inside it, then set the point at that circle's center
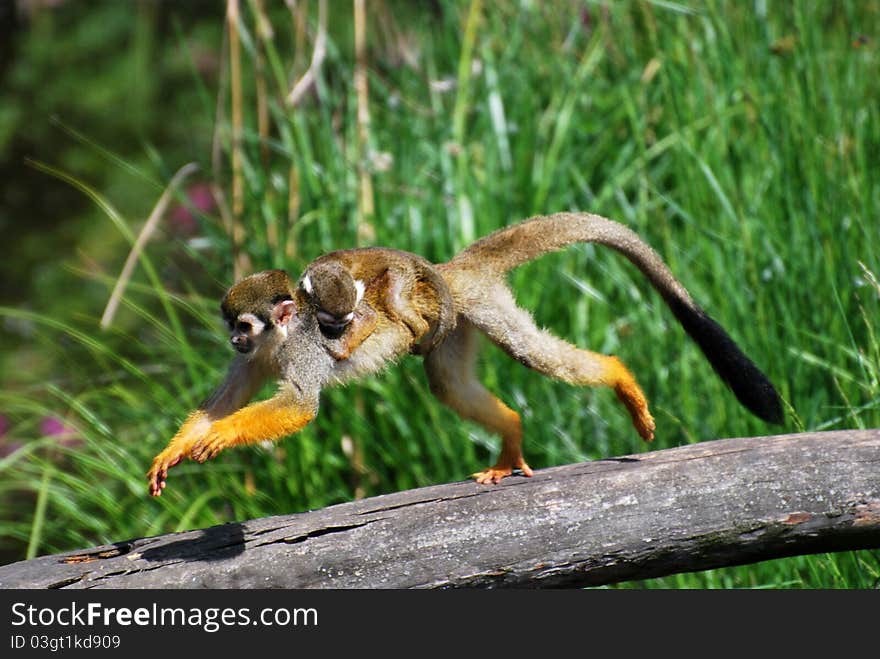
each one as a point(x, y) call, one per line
point(402, 303)
point(361, 326)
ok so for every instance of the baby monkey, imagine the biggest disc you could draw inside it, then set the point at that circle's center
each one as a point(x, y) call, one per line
point(349, 289)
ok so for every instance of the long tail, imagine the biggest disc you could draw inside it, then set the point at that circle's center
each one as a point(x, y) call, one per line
point(505, 249)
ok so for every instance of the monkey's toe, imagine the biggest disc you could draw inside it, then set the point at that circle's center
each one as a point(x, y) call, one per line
point(493, 475)
point(644, 424)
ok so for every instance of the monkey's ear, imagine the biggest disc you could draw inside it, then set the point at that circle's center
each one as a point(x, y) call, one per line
point(283, 312)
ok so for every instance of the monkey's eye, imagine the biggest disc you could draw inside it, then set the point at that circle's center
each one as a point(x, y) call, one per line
point(243, 326)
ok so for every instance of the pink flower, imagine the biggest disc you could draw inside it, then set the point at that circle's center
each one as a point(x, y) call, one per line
point(201, 199)
point(52, 426)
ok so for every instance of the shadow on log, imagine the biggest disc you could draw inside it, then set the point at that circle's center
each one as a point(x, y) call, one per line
point(724, 502)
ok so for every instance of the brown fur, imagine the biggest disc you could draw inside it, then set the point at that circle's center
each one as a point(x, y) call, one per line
point(403, 286)
point(264, 289)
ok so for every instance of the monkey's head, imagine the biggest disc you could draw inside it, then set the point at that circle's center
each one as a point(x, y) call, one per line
point(257, 308)
point(332, 290)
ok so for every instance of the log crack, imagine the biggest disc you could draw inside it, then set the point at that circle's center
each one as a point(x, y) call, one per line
point(317, 533)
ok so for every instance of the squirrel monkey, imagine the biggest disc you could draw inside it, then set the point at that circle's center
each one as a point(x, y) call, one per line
point(388, 301)
point(302, 325)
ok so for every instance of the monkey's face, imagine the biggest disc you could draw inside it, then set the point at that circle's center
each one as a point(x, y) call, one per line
point(246, 332)
point(257, 309)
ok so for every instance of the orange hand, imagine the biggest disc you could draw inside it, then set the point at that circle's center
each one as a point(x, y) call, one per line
point(159, 469)
point(178, 448)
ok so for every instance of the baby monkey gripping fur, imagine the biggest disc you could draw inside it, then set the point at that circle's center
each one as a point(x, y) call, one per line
point(469, 296)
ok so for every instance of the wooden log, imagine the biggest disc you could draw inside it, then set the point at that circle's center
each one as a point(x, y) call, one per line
point(695, 507)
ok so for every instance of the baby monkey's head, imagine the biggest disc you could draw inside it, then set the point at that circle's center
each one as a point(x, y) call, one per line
point(334, 292)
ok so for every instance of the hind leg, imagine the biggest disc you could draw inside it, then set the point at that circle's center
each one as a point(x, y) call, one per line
point(514, 330)
point(452, 378)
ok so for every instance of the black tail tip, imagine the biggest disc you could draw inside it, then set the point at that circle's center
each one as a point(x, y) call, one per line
point(750, 386)
point(761, 400)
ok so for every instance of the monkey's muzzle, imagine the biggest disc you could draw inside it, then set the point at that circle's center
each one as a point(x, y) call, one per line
point(241, 343)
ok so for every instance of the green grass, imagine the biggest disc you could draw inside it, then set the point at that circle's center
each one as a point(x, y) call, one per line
point(749, 160)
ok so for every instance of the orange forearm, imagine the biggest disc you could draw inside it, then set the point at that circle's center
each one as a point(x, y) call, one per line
point(268, 420)
point(260, 422)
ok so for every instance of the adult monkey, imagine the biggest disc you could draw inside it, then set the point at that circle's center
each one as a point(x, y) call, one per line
point(290, 346)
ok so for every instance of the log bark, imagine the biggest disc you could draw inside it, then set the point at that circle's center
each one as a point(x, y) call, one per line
point(717, 503)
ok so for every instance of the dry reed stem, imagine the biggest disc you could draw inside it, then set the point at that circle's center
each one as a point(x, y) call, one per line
point(241, 262)
point(318, 54)
point(217, 143)
point(264, 32)
point(220, 117)
point(292, 209)
point(149, 227)
point(299, 12)
point(366, 233)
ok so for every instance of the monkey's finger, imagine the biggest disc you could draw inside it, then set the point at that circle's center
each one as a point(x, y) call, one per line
point(423, 347)
point(152, 480)
point(157, 483)
point(203, 451)
point(159, 472)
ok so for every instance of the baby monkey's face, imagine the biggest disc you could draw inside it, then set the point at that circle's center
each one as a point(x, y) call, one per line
point(334, 293)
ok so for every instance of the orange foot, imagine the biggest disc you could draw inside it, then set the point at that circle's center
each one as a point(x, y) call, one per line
point(159, 470)
point(499, 471)
point(632, 397)
point(644, 423)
